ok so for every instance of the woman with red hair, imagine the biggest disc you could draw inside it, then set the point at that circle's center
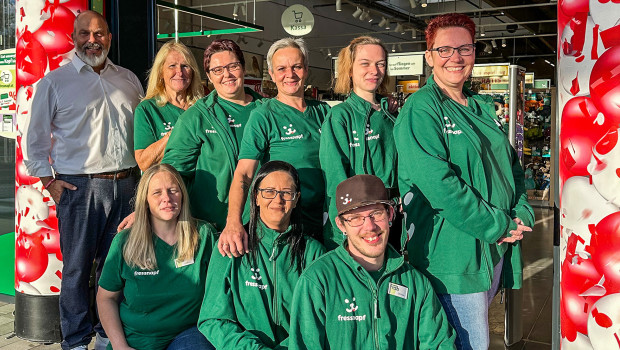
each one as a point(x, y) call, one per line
point(462, 185)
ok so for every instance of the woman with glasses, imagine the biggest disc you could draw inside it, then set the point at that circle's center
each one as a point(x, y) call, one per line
point(356, 137)
point(462, 185)
point(154, 276)
point(204, 146)
point(173, 86)
point(247, 301)
point(285, 128)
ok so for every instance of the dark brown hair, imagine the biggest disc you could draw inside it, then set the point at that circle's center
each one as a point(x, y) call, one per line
point(220, 45)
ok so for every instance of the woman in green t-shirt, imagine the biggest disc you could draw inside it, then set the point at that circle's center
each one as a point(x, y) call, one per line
point(287, 128)
point(247, 300)
point(173, 86)
point(154, 276)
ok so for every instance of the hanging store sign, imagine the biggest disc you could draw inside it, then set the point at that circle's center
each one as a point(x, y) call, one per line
point(411, 63)
point(297, 20)
point(493, 70)
point(410, 86)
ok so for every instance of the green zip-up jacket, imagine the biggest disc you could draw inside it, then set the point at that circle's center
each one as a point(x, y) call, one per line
point(355, 139)
point(204, 149)
point(247, 306)
point(462, 184)
point(338, 305)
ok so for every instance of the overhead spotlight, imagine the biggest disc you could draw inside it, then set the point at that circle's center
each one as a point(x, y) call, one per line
point(393, 47)
point(236, 10)
point(487, 48)
point(412, 3)
point(413, 34)
point(243, 40)
point(357, 13)
point(482, 33)
point(329, 52)
point(365, 15)
point(399, 28)
point(423, 3)
point(383, 22)
point(243, 11)
point(338, 5)
point(260, 43)
point(387, 25)
point(503, 42)
point(400, 48)
point(494, 44)
point(549, 63)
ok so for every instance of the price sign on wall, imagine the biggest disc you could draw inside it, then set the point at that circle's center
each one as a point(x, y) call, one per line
point(297, 20)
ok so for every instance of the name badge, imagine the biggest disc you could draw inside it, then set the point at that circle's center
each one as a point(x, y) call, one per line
point(178, 263)
point(398, 290)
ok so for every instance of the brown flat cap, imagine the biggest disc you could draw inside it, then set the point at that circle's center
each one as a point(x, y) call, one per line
point(359, 191)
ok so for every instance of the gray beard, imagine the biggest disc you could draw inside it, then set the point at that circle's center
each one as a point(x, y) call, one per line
point(93, 61)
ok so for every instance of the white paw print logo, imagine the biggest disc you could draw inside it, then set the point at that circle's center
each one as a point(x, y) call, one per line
point(230, 120)
point(346, 199)
point(355, 138)
point(289, 129)
point(256, 274)
point(448, 125)
point(168, 126)
point(368, 129)
point(352, 307)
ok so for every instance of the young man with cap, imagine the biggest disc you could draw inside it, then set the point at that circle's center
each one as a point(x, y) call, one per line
point(363, 294)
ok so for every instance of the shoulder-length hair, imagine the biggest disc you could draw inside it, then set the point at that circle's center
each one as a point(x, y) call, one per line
point(139, 250)
point(156, 87)
point(446, 21)
point(283, 43)
point(346, 57)
point(295, 238)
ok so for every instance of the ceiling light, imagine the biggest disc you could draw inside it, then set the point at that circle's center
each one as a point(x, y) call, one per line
point(412, 3)
point(383, 22)
point(236, 10)
point(494, 44)
point(503, 42)
point(487, 48)
point(365, 15)
point(387, 25)
point(423, 3)
point(260, 43)
point(329, 52)
point(400, 48)
point(482, 33)
point(338, 5)
point(413, 33)
point(357, 13)
point(393, 47)
point(399, 28)
point(243, 11)
point(551, 64)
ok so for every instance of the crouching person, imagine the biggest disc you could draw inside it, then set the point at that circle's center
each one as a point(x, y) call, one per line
point(363, 294)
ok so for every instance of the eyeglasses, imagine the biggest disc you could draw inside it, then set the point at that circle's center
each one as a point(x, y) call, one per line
point(448, 51)
point(358, 220)
point(269, 193)
point(231, 67)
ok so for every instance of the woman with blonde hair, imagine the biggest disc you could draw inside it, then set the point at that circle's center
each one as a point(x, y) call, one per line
point(356, 137)
point(174, 85)
point(153, 279)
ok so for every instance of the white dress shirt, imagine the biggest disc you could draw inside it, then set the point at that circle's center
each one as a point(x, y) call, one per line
point(89, 117)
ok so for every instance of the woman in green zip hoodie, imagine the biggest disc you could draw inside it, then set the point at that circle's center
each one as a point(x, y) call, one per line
point(204, 146)
point(287, 128)
point(356, 137)
point(247, 299)
point(462, 185)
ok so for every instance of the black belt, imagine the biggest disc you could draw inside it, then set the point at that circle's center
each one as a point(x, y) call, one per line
point(110, 175)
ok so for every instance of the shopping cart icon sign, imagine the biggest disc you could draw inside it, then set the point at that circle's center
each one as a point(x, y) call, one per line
point(298, 16)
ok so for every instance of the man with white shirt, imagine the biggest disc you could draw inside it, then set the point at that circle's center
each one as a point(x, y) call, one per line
point(87, 165)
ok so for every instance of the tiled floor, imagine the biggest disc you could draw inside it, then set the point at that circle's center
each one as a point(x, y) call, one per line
point(537, 289)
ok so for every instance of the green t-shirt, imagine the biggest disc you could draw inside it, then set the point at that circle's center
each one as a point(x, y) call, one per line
point(159, 304)
point(152, 122)
point(238, 116)
point(277, 131)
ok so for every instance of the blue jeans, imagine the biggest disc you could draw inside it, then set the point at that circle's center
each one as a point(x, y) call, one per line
point(87, 221)
point(190, 339)
point(468, 314)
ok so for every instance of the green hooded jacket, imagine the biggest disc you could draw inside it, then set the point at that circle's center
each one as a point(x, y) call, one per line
point(247, 305)
point(203, 147)
point(338, 305)
point(355, 139)
point(462, 184)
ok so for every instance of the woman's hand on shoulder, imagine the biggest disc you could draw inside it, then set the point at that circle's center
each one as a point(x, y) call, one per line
point(233, 240)
point(127, 222)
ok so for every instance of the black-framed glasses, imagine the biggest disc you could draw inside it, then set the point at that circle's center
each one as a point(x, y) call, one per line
point(270, 193)
point(358, 220)
point(448, 51)
point(231, 67)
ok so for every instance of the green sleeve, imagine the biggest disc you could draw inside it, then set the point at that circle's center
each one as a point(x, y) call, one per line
point(423, 162)
point(110, 278)
point(184, 144)
point(314, 250)
point(435, 331)
point(334, 155)
point(255, 137)
point(308, 319)
point(144, 134)
point(522, 210)
point(218, 319)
